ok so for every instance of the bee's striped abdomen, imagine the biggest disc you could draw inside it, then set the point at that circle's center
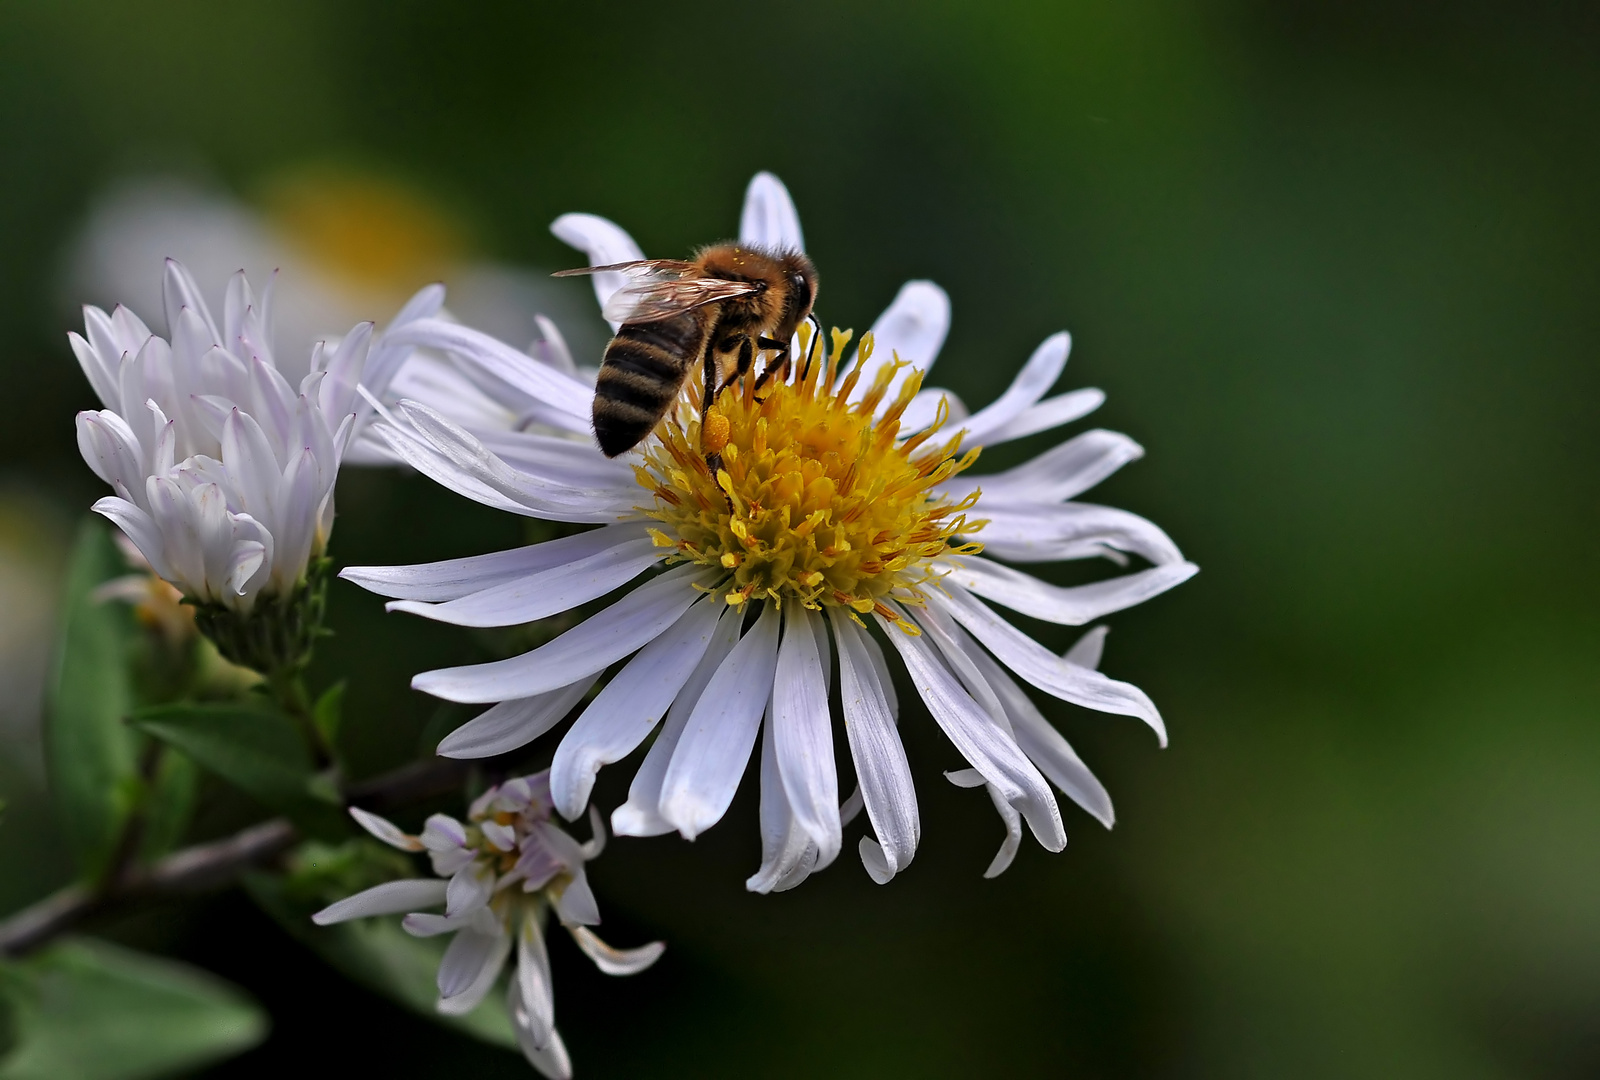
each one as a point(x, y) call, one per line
point(644, 368)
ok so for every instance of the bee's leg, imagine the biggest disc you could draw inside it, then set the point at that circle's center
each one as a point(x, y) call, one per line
point(747, 357)
point(709, 395)
point(777, 366)
point(816, 345)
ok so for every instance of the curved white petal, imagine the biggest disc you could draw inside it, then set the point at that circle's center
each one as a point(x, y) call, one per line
point(564, 394)
point(1044, 745)
point(470, 966)
point(385, 830)
point(788, 853)
point(390, 898)
point(1049, 413)
point(640, 815)
point(803, 733)
point(604, 242)
point(1067, 605)
point(452, 579)
point(613, 961)
point(1041, 371)
point(875, 748)
point(550, 592)
point(1045, 533)
point(1044, 669)
point(769, 219)
point(591, 646)
point(979, 739)
point(514, 723)
point(1086, 651)
point(1063, 472)
point(533, 980)
point(550, 1059)
point(620, 717)
point(913, 327)
point(714, 748)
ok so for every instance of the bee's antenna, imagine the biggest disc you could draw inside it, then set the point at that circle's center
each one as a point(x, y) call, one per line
point(816, 342)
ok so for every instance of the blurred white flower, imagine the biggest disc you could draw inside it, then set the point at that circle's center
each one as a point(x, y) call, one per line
point(223, 471)
point(844, 508)
point(347, 245)
point(507, 869)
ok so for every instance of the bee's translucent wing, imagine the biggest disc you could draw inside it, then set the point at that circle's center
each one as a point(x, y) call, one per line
point(638, 266)
point(655, 295)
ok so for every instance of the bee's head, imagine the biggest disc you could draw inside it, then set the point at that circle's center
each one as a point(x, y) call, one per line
point(801, 277)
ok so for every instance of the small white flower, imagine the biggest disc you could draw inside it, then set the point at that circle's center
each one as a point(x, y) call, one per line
point(508, 867)
point(844, 506)
point(223, 471)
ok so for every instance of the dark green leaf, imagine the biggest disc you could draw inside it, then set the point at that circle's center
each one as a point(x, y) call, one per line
point(377, 953)
point(255, 748)
point(91, 754)
point(88, 1010)
point(170, 803)
point(328, 713)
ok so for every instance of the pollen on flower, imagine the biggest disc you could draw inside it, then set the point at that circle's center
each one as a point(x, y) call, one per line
point(818, 499)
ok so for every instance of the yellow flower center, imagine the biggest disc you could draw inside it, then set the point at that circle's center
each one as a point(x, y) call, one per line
point(818, 500)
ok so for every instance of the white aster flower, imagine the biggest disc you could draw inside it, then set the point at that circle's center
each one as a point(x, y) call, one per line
point(223, 471)
point(499, 876)
point(845, 510)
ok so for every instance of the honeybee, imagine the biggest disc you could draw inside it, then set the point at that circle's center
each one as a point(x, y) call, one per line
point(718, 311)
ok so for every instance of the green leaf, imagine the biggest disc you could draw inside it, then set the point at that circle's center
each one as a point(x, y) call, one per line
point(378, 954)
point(328, 713)
point(255, 748)
point(92, 1011)
point(91, 756)
point(169, 803)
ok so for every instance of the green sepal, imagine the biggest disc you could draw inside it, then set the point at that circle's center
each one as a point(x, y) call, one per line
point(91, 755)
point(89, 1010)
point(374, 952)
point(257, 749)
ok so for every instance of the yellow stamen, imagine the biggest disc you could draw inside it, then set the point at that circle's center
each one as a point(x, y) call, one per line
point(817, 499)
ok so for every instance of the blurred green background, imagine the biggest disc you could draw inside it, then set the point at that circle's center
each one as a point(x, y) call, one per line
point(1335, 265)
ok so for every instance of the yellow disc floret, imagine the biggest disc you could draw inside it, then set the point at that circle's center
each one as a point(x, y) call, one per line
point(817, 500)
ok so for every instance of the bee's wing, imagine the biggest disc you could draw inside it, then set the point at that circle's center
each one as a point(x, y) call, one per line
point(638, 266)
point(654, 297)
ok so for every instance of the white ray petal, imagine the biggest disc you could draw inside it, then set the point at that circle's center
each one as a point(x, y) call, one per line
point(715, 746)
point(769, 219)
point(913, 327)
point(640, 815)
point(788, 853)
point(1044, 669)
point(979, 739)
point(624, 713)
point(514, 723)
point(568, 397)
point(1067, 605)
point(390, 898)
point(455, 578)
point(1063, 472)
point(613, 961)
point(1023, 532)
point(605, 243)
point(550, 592)
point(875, 748)
point(469, 968)
point(803, 733)
point(1037, 376)
point(534, 984)
point(385, 830)
point(592, 645)
point(1086, 651)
